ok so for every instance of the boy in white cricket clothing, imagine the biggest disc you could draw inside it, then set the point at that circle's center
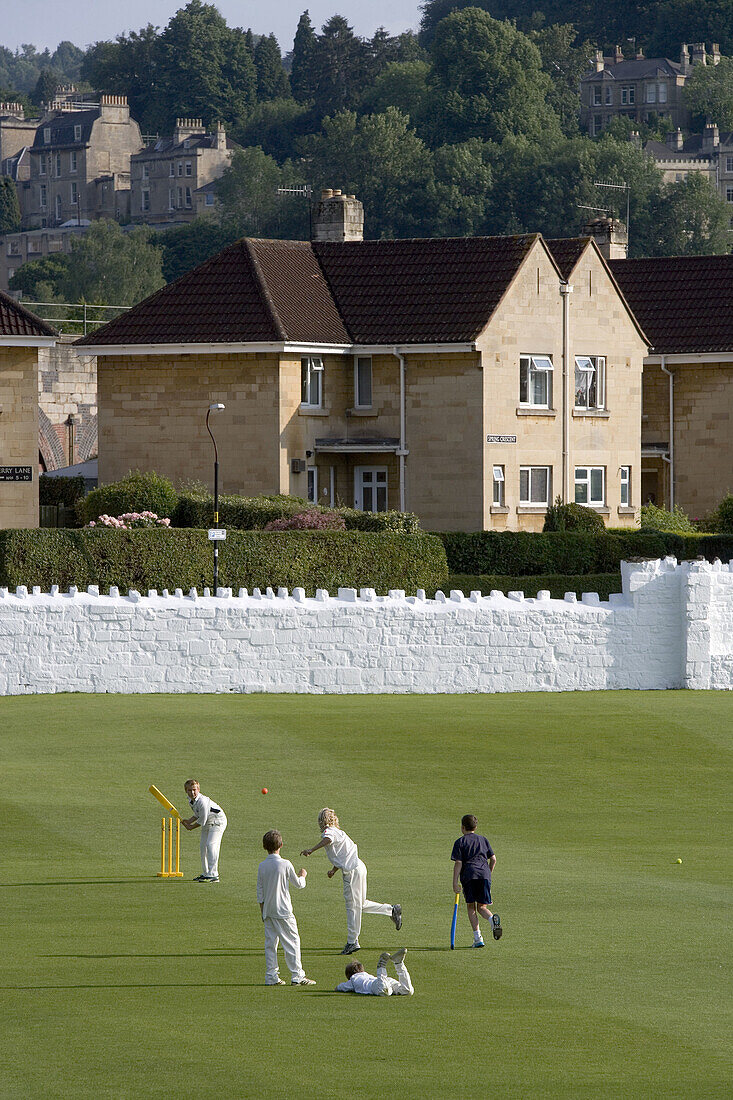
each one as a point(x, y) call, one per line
point(274, 876)
point(211, 819)
point(344, 855)
point(379, 985)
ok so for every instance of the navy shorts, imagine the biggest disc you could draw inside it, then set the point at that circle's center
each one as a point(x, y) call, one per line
point(478, 890)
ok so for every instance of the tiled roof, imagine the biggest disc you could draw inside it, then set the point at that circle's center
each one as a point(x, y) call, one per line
point(566, 251)
point(683, 303)
point(441, 290)
point(422, 291)
point(15, 320)
point(636, 69)
point(62, 127)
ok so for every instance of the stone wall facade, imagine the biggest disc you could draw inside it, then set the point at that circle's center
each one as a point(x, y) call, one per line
point(19, 434)
point(67, 402)
point(672, 627)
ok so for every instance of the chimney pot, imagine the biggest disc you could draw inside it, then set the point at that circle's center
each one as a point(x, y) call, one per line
point(338, 217)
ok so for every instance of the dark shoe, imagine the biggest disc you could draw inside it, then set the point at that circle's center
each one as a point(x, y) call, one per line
point(496, 929)
point(397, 916)
point(351, 948)
point(201, 878)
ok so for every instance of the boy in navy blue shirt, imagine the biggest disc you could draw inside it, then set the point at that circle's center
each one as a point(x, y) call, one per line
point(473, 861)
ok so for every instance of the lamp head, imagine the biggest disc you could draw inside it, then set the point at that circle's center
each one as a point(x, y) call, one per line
point(215, 408)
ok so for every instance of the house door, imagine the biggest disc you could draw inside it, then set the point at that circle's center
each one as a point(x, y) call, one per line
point(370, 488)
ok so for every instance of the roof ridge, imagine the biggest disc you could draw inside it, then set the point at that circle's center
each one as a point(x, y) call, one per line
point(263, 289)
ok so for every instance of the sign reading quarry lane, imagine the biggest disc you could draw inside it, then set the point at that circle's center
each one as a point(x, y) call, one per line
point(16, 473)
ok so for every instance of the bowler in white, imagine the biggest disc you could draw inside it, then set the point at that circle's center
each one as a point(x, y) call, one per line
point(275, 876)
point(211, 819)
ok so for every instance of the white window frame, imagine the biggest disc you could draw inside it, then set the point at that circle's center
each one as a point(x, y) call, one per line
point(180, 167)
point(73, 162)
point(47, 135)
point(312, 482)
point(145, 200)
point(586, 483)
point(188, 198)
point(42, 165)
point(590, 382)
point(58, 166)
point(380, 477)
point(661, 93)
point(311, 382)
point(729, 193)
point(209, 200)
point(729, 164)
point(498, 495)
point(609, 96)
point(537, 367)
point(529, 476)
point(625, 489)
point(77, 133)
point(628, 95)
point(189, 168)
point(651, 93)
point(597, 95)
point(73, 193)
point(146, 171)
point(58, 208)
point(172, 170)
point(171, 198)
point(360, 401)
point(43, 197)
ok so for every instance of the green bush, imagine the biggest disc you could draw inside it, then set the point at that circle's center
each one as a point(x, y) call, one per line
point(725, 515)
point(60, 490)
point(661, 519)
point(138, 492)
point(165, 558)
point(572, 517)
point(196, 509)
point(602, 583)
point(571, 553)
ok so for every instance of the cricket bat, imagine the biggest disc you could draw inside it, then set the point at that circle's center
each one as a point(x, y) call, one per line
point(453, 924)
point(161, 798)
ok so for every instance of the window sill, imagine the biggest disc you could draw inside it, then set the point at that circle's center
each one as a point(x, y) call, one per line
point(528, 410)
point(371, 411)
point(601, 414)
point(601, 509)
point(532, 509)
point(498, 510)
point(626, 510)
point(306, 410)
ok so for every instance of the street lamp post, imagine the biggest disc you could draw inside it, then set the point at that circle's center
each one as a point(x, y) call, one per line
point(215, 408)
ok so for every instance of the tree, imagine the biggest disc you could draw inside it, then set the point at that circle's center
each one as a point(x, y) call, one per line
point(402, 84)
point(9, 207)
point(708, 92)
point(487, 81)
point(275, 125)
point(677, 21)
point(565, 63)
point(463, 184)
point(110, 267)
point(46, 87)
point(692, 219)
point(129, 66)
point(272, 80)
point(38, 280)
point(340, 64)
point(189, 245)
point(250, 204)
point(302, 71)
point(66, 60)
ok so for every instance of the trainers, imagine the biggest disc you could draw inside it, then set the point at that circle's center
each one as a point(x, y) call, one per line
point(201, 878)
point(383, 959)
point(496, 929)
point(397, 916)
point(302, 981)
point(213, 878)
point(351, 948)
point(278, 982)
point(479, 943)
point(398, 956)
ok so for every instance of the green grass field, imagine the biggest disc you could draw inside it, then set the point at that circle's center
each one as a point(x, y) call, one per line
point(612, 978)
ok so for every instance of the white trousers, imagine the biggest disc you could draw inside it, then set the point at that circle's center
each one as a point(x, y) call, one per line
point(384, 986)
point(355, 888)
point(285, 931)
point(211, 835)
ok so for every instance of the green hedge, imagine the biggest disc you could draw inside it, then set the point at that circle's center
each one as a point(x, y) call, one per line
point(162, 558)
point(138, 492)
point(571, 553)
point(60, 490)
point(195, 509)
point(602, 583)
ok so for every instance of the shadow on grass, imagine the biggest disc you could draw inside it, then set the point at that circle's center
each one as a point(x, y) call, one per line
point(224, 953)
point(140, 985)
point(82, 882)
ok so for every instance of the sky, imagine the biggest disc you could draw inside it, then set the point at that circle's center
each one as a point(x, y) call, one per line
point(48, 22)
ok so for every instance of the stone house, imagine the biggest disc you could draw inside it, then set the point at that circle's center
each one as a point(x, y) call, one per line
point(644, 89)
point(467, 380)
point(171, 180)
point(16, 134)
point(22, 336)
point(80, 163)
point(710, 153)
point(684, 305)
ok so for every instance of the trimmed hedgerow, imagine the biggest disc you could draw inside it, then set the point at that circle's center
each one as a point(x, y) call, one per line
point(572, 517)
point(571, 553)
point(138, 492)
point(196, 507)
point(165, 558)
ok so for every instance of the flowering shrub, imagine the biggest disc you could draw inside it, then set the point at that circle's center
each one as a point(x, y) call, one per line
point(308, 521)
point(128, 520)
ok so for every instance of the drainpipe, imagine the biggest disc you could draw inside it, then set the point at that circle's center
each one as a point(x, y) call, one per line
point(566, 290)
point(402, 452)
point(670, 459)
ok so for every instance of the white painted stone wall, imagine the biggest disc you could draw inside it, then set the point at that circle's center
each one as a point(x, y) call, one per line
point(672, 627)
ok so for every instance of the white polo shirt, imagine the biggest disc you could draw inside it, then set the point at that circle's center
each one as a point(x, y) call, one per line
point(342, 851)
point(202, 807)
point(274, 876)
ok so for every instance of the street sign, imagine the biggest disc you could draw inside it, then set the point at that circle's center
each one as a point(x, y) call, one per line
point(16, 473)
point(501, 439)
point(216, 535)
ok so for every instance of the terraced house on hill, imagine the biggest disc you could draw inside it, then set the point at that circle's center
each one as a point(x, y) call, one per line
point(21, 335)
point(468, 380)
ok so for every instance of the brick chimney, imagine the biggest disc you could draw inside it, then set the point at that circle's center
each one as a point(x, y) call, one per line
point(114, 108)
point(610, 236)
point(221, 137)
point(675, 140)
point(599, 62)
point(699, 57)
point(338, 218)
point(684, 59)
point(618, 55)
point(710, 138)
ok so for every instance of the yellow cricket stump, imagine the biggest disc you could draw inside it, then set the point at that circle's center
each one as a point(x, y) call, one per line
point(170, 873)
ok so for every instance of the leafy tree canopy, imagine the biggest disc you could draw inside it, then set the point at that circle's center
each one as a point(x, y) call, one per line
point(250, 204)
point(38, 280)
point(108, 266)
point(189, 245)
point(9, 206)
point(692, 219)
point(708, 93)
